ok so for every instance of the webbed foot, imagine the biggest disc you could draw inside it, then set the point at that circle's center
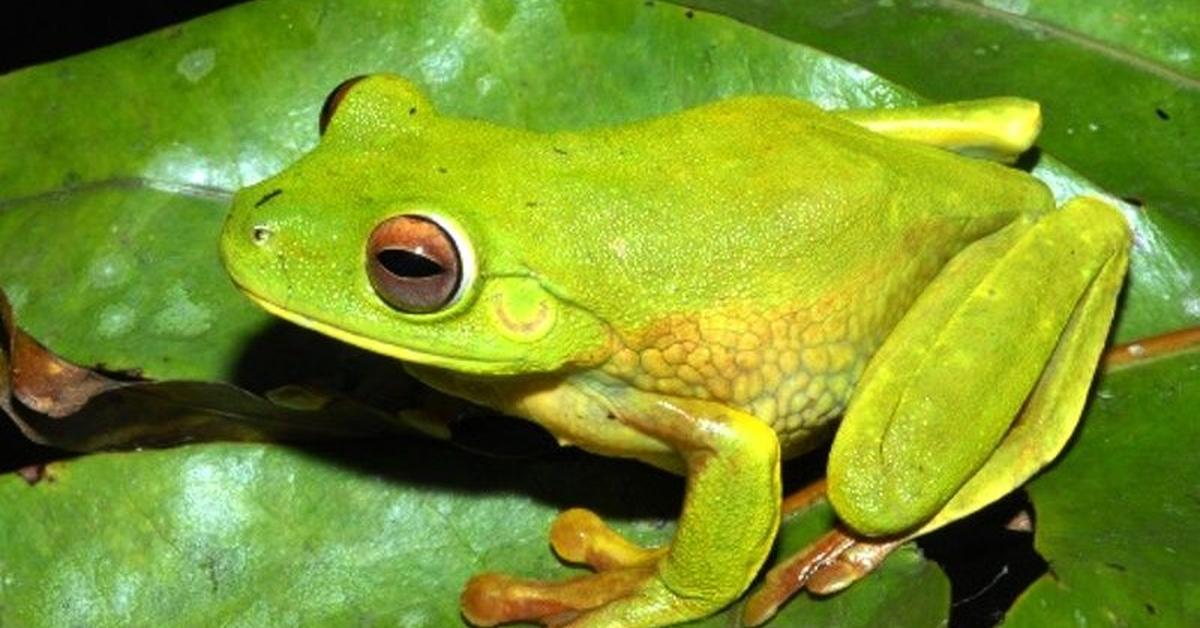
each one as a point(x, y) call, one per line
point(577, 536)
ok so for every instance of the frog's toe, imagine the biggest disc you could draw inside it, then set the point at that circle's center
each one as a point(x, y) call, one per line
point(580, 536)
point(490, 599)
point(852, 565)
point(577, 536)
point(828, 565)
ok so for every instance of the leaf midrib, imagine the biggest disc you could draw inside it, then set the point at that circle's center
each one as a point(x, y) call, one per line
point(190, 190)
point(1100, 47)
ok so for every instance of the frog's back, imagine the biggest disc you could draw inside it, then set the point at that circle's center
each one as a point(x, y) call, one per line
point(772, 192)
point(755, 251)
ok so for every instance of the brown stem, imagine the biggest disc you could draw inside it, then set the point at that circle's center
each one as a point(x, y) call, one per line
point(1153, 347)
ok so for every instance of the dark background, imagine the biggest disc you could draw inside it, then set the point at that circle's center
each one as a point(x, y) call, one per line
point(37, 32)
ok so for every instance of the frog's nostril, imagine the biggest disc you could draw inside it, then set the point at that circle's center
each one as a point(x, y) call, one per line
point(261, 233)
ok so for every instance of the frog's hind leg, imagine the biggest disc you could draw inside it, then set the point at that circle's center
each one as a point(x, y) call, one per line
point(729, 520)
point(992, 128)
point(963, 346)
point(1053, 408)
point(992, 365)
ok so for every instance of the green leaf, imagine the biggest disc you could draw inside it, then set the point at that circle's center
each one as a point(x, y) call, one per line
point(253, 535)
point(124, 276)
point(125, 186)
point(1116, 517)
point(1160, 36)
point(242, 533)
point(264, 535)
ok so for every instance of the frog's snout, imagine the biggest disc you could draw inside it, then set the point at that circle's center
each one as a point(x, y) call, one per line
point(260, 232)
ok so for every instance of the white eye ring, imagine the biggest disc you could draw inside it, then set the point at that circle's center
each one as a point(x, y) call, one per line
point(466, 253)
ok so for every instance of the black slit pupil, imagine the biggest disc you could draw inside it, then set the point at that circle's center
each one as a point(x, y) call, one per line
point(408, 264)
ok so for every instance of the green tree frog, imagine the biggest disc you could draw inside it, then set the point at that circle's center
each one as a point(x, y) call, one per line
point(708, 291)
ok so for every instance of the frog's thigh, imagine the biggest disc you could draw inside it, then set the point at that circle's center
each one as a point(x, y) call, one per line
point(1021, 315)
point(730, 512)
point(994, 128)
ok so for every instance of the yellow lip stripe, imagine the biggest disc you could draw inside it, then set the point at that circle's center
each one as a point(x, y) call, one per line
point(457, 363)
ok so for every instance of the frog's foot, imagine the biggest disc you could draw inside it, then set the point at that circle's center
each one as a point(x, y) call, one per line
point(828, 565)
point(725, 531)
point(491, 599)
point(577, 536)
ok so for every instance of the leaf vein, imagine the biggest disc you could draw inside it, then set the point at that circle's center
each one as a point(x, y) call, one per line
point(1098, 46)
point(207, 192)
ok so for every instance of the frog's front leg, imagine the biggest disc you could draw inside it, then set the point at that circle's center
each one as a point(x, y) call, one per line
point(729, 519)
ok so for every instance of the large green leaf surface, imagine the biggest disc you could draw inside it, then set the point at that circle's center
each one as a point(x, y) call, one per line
point(255, 535)
point(1162, 37)
point(109, 218)
point(1116, 518)
point(261, 534)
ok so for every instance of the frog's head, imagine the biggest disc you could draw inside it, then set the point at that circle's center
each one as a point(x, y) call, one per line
point(369, 239)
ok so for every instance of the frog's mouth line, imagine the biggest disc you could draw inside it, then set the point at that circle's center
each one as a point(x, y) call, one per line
point(377, 346)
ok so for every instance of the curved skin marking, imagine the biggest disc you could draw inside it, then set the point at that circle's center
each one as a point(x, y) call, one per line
point(523, 314)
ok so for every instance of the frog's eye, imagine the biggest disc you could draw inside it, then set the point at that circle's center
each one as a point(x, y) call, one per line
point(414, 264)
point(329, 108)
